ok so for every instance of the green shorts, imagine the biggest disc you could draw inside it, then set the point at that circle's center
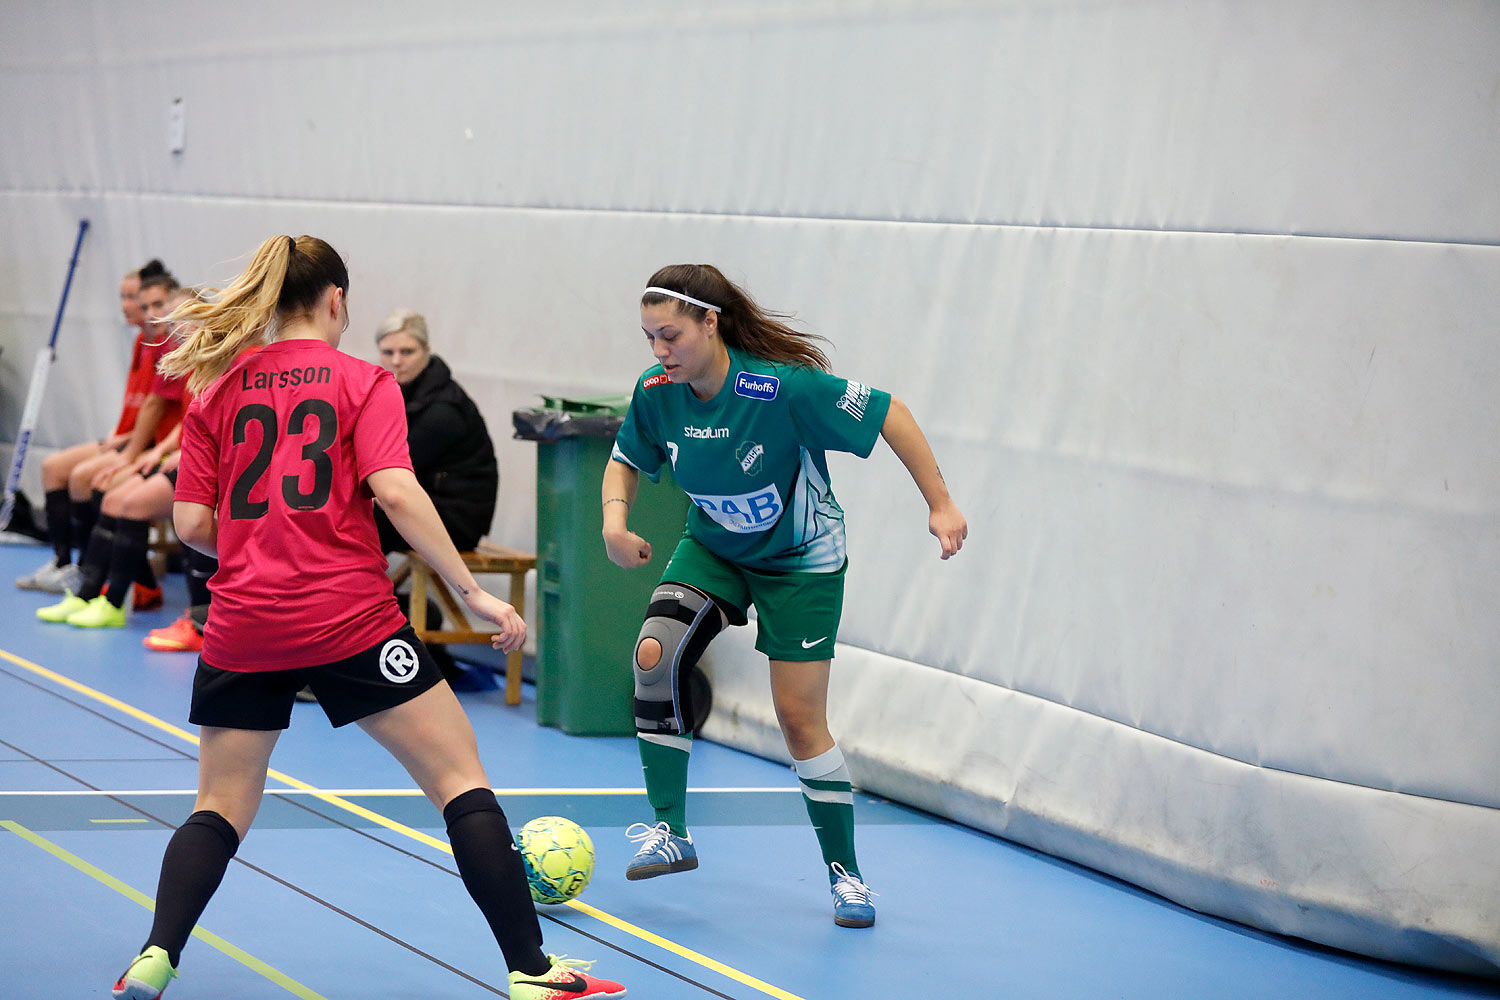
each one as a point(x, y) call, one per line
point(798, 613)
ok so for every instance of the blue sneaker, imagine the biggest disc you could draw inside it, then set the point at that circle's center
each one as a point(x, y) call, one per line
point(851, 899)
point(662, 852)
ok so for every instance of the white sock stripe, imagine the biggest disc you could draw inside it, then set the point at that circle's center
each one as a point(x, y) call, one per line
point(823, 765)
point(683, 743)
point(828, 795)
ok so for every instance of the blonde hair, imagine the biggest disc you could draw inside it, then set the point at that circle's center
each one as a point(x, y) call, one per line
point(403, 321)
point(286, 276)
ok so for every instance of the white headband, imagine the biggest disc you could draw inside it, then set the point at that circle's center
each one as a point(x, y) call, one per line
point(685, 298)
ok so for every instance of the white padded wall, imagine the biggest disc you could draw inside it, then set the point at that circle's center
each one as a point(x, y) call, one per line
point(1195, 301)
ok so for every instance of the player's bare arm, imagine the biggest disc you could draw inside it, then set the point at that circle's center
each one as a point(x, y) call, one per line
point(196, 526)
point(944, 520)
point(412, 513)
point(626, 549)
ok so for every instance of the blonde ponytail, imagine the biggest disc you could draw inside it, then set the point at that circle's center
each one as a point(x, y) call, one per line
point(230, 320)
point(285, 275)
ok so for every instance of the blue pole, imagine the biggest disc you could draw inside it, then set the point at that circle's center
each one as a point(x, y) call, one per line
point(38, 384)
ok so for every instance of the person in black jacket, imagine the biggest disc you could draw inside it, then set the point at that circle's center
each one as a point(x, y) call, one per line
point(450, 447)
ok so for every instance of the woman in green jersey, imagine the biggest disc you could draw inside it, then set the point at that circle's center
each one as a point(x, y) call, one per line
point(744, 409)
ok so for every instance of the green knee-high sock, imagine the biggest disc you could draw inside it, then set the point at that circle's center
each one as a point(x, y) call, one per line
point(829, 795)
point(664, 759)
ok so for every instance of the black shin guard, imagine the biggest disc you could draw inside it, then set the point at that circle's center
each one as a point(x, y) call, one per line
point(191, 869)
point(198, 568)
point(94, 563)
point(495, 876)
point(127, 559)
point(82, 514)
point(60, 524)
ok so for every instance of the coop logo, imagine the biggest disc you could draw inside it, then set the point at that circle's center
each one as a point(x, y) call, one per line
point(856, 397)
point(711, 433)
point(749, 455)
point(756, 386)
point(398, 661)
point(662, 379)
point(744, 514)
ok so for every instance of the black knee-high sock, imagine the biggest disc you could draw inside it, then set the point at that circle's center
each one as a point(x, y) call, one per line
point(94, 564)
point(495, 876)
point(198, 568)
point(83, 513)
point(60, 524)
point(191, 870)
point(126, 558)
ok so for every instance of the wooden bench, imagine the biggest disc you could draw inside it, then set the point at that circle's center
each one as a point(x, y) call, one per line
point(161, 544)
point(426, 585)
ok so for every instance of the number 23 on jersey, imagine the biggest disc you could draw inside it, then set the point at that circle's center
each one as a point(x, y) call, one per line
point(314, 451)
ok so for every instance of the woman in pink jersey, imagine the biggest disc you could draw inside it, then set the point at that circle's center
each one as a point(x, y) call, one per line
point(283, 451)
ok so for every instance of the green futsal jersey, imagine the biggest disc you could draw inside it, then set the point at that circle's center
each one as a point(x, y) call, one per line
point(752, 458)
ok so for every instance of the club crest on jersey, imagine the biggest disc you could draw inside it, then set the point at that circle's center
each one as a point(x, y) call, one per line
point(753, 386)
point(662, 379)
point(398, 661)
point(749, 454)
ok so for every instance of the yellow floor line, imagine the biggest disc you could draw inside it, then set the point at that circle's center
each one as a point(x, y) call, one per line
point(626, 927)
point(240, 955)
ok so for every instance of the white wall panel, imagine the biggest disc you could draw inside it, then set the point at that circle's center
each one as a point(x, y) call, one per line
point(1346, 118)
point(1195, 301)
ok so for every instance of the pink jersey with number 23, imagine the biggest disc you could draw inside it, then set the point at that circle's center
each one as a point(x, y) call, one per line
point(281, 446)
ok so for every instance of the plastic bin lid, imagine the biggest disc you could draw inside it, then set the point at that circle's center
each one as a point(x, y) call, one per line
point(615, 403)
point(560, 417)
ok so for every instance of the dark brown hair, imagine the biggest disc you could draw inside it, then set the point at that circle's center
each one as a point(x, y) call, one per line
point(743, 324)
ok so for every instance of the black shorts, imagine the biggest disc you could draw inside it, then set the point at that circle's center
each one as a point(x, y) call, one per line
point(389, 673)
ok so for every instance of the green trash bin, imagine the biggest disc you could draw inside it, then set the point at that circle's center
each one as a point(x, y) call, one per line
point(589, 610)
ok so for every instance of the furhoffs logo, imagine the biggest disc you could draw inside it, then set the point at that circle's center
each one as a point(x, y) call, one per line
point(756, 386)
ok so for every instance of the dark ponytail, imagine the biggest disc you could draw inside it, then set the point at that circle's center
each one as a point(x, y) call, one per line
point(743, 324)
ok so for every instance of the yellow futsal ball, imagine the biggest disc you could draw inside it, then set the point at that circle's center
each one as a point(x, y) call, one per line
point(559, 858)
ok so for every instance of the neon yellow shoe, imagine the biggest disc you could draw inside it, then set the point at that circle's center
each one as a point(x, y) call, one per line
point(563, 981)
point(147, 976)
point(98, 613)
point(59, 612)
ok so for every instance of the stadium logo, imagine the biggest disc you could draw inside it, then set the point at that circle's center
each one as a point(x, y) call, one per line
point(711, 433)
point(398, 661)
point(756, 386)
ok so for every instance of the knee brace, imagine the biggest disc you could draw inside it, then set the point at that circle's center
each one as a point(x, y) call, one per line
point(683, 621)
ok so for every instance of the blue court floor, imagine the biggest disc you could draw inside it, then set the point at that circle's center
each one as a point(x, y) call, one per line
point(345, 887)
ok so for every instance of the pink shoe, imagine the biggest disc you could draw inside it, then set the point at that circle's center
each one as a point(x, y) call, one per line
point(179, 637)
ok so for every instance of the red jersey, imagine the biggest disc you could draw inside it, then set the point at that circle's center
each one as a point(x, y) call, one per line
point(281, 445)
point(143, 358)
point(144, 380)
